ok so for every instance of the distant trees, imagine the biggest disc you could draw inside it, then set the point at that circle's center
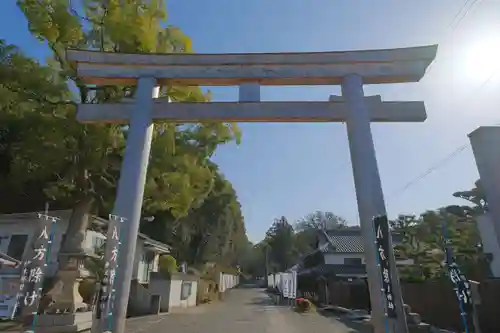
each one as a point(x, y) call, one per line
point(213, 232)
point(307, 229)
point(422, 240)
point(284, 243)
point(280, 239)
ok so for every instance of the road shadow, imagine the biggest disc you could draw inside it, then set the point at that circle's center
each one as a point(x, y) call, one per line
point(266, 299)
point(248, 286)
point(355, 326)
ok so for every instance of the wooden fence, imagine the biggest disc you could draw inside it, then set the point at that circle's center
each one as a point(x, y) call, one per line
point(436, 302)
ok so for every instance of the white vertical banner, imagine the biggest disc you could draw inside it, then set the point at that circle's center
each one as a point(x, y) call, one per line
point(286, 285)
point(294, 284)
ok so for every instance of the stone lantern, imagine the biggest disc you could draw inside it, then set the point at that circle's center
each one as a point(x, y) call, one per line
point(65, 296)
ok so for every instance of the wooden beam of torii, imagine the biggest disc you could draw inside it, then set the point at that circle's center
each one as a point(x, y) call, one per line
point(249, 71)
point(254, 112)
point(311, 68)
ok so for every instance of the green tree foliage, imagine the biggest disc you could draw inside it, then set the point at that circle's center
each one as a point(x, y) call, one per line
point(213, 232)
point(25, 86)
point(321, 221)
point(307, 229)
point(423, 242)
point(476, 196)
point(82, 161)
point(281, 241)
point(168, 265)
point(253, 260)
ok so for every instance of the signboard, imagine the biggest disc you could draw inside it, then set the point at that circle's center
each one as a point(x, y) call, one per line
point(270, 281)
point(382, 242)
point(294, 285)
point(286, 285)
point(9, 287)
point(33, 267)
point(107, 291)
point(461, 284)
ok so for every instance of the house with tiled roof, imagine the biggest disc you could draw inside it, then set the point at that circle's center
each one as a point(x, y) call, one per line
point(340, 253)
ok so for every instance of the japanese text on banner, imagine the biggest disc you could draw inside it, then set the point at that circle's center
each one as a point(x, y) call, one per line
point(106, 293)
point(33, 267)
point(382, 242)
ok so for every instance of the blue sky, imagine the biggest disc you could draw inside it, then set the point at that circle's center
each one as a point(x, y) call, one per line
point(295, 169)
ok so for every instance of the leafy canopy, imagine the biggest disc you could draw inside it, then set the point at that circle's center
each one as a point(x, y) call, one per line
point(82, 160)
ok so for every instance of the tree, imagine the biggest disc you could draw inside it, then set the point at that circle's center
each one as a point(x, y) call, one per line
point(476, 196)
point(423, 242)
point(167, 266)
point(21, 81)
point(213, 232)
point(281, 241)
point(82, 161)
point(321, 221)
point(307, 229)
point(254, 261)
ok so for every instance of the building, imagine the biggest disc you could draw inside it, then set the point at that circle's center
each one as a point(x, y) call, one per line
point(7, 261)
point(340, 253)
point(17, 230)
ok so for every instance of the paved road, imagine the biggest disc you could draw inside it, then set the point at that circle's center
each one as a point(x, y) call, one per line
point(243, 311)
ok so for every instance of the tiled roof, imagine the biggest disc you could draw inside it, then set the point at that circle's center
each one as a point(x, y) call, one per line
point(345, 241)
point(348, 241)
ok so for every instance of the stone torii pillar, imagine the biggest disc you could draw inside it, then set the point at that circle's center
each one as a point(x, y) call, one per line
point(485, 142)
point(349, 69)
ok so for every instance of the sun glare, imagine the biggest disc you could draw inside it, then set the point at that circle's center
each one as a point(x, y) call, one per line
point(481, 58)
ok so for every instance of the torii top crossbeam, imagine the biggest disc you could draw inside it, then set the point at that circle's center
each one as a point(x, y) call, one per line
point(317, 68)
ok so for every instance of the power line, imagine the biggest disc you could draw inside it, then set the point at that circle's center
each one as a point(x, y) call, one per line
point(462, 148)
point(455, 23)
point(433, 168)
point(458, 18)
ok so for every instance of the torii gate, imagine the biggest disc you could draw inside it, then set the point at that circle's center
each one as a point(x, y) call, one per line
point(249, 71)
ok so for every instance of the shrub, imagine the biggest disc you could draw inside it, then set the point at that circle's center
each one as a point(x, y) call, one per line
point(207, 291)
point(87, 289)
point(167, 266)
point(303, 305)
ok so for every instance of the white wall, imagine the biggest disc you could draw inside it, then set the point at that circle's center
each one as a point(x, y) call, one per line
point(228, 281)
point(338, 259)
point(140, 263)
point(90, 235)
point(29, 227)
point(175, 295)
point(170, 292)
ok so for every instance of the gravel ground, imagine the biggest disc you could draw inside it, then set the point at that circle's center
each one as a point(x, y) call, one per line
point(244, 310)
